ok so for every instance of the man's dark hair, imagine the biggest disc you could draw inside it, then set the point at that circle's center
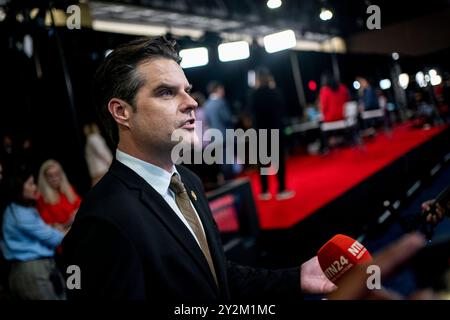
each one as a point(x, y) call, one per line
point(11, 190)
point(118, 76)
point(264, 76)
point(213, 86)
point(13, 187)
point(328, 80)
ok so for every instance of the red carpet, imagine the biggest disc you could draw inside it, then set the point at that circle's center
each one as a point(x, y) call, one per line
point(318, 180)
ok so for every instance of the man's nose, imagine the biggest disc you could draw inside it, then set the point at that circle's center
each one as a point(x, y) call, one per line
point(190, 103)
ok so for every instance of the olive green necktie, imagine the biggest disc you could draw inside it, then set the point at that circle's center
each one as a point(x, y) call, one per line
point(184, 204)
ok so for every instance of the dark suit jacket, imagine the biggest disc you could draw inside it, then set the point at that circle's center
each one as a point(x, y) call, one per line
point(129, 244)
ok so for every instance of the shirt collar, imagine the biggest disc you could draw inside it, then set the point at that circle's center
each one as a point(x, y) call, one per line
point(155, 176)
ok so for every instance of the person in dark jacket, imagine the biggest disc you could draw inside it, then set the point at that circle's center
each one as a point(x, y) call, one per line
point(268, 108)
point(145, 231)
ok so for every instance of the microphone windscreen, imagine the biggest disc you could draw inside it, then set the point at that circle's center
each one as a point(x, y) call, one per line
point(339, 255)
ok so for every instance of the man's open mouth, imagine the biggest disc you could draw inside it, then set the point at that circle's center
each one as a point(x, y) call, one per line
point(189, 124)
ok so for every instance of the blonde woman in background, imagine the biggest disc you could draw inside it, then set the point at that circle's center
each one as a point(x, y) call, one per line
point(57, 202)
point(98, 156)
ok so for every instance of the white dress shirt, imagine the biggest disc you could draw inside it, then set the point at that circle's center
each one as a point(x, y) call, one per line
point(159, 179)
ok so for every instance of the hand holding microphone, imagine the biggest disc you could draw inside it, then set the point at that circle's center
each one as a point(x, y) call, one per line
point(344, 262)
point(341, 254)
point(352, 275)
point(334, 259)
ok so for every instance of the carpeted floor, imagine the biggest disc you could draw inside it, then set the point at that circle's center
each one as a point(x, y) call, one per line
point(318, 180)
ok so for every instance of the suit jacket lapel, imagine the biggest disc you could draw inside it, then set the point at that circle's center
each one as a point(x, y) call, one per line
point(177, 228)
point(158, 206)
point(202, 209)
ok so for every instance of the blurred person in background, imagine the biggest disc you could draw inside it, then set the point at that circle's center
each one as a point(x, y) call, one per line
point(312, 113)
point(332, 98)
point(97, 154)
point(4, 266)
point(333, 95)
point(7, 152)
point(2, 175)
point(29, 244)
point(57, 202)
point(426, 113)
point(385, 106)
point(201, 116)
point(2, 191)
point(210, 174)
point(368, 95)
point(218, 116)
point(26, 156)
point(442, 93)
point(368, 100)
point(7, 146)
point(266, 104)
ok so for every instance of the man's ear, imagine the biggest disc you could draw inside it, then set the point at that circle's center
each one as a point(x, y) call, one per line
point(120, 111)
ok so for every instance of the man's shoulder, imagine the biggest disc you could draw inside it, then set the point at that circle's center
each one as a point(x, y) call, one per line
point(213, 103)
point(109, 195)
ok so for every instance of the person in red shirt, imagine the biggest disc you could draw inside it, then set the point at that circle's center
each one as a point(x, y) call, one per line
point(333, 96)
point(57, 202)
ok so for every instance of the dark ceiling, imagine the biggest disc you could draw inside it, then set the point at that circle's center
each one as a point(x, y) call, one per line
point(249, 17)
point(303, 16)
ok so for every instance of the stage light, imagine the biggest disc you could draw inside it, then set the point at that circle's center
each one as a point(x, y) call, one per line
point(233, 51)
point(273, 4)
point(195, 57)
point(312, 85)
point(395, 55)
point(427, 79)
point(385, 84)
point(325, 14)
point(279, 41)
point(403, 80)
point(356, 85)
point(436, 80)
point(420, 79)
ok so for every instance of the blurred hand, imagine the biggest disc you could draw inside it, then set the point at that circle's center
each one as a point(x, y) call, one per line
point(437, 213)
point(59, 227)
point(353, 286)
point(62, 228)
point(361, 108)
point(313, 280)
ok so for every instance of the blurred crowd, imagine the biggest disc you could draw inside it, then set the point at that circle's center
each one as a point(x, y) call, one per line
point(36, 214)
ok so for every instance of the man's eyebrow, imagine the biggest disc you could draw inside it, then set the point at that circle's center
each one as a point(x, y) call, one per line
point(164, 86)
point(170, 86)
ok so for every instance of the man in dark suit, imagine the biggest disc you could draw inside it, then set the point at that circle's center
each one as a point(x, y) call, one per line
point(145, 231)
